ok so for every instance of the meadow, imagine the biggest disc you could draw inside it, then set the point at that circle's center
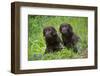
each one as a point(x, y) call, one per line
point(36, 42)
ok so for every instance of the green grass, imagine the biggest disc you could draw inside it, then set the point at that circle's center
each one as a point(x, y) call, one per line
point(36, 42)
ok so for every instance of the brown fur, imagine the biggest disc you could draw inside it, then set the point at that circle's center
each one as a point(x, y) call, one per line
point(53, 42)
point(68, 36)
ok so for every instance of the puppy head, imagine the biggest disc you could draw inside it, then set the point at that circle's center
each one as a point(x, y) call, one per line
point(49, 32)
point(66, 29)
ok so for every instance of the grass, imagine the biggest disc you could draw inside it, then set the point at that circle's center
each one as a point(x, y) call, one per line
point(36, 42)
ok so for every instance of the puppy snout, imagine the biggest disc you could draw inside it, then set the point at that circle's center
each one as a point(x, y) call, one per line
point(48, 35)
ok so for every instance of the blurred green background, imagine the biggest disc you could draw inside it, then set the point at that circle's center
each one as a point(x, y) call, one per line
point(36, 42)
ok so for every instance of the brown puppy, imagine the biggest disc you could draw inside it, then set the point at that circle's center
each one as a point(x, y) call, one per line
point(53, 42)
point(68, 37)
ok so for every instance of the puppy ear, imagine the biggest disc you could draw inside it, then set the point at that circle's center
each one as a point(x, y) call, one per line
point(54, 30)
point(71, 29)
point(44, 32)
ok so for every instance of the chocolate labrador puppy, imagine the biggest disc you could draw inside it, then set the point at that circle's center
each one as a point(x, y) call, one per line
point(69, 38)
point(53, 41)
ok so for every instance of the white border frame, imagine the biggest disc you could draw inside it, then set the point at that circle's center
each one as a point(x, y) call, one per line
point(25, 64)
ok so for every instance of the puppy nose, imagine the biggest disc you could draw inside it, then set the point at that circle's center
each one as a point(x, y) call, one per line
point(64, 29)
point(48, 35)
